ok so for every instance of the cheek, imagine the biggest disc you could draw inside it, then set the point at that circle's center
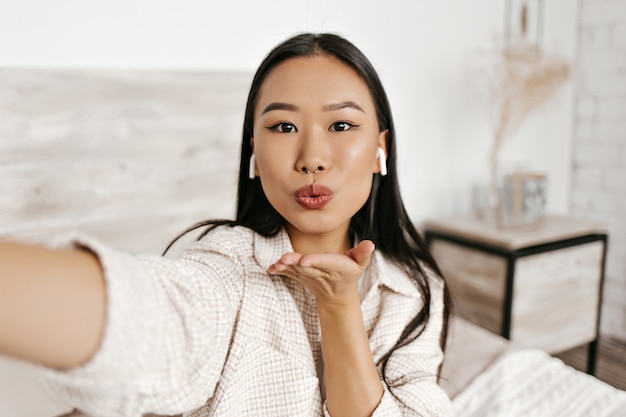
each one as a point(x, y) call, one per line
point(272, 165)
point(271, 158)
point(360, 155)
point(272, 177)
point(358, 167)
point(362, 189)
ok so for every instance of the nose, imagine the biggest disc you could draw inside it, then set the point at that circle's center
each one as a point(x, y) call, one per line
point(314, 155)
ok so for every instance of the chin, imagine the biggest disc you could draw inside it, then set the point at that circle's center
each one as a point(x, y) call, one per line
point(318, 225)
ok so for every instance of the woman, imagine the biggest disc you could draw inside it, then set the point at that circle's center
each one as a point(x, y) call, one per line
point(287, 310)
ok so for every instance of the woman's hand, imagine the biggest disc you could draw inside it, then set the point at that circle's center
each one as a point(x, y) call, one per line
point(332, 277)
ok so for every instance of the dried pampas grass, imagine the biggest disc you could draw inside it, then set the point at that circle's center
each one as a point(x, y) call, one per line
point(524, 80)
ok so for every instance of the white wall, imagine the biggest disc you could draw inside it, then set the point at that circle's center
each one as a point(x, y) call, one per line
point(428, 54)
point(599, 144)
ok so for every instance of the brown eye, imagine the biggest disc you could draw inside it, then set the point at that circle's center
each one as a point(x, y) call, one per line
point(341, 126)
point(283, 127)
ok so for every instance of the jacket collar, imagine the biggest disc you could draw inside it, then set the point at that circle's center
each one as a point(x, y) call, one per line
point(267, 250)
point(388, 273)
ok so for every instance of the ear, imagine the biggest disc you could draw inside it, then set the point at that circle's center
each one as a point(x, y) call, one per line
point(381, 144)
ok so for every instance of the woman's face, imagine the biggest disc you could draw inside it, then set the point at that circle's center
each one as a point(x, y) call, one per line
point(315, 140)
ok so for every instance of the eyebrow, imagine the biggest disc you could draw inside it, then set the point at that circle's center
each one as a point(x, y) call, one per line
point(328, 107)
point(280, 106)
point(342, 105)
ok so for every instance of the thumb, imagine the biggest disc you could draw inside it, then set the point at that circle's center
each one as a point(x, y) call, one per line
point(362, 253)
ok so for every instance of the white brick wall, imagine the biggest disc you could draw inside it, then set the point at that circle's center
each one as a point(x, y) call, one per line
point(599, 142)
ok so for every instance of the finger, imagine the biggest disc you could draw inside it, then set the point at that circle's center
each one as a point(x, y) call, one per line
point(310, 279)
point(362, 253)
point(282, 269)
point(290, 258)
point(296, 270)
point(324, 261)
point(285, 261)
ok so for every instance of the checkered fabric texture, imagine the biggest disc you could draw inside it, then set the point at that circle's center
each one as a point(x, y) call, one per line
point(213, 334)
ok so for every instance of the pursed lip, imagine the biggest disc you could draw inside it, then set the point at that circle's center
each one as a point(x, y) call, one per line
point(313, 196)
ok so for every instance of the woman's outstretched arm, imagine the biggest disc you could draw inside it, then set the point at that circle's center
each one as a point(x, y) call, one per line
point(52, 304)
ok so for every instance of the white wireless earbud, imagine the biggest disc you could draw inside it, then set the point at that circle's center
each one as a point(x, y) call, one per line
point(251, 174)
point(383, 161)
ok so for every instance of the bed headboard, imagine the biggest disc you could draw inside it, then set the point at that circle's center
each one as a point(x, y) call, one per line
point(129, 157)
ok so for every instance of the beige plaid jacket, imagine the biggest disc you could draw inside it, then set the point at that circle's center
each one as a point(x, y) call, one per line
point(213, 334)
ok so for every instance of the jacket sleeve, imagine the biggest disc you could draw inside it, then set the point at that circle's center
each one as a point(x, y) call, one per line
point(167, 332)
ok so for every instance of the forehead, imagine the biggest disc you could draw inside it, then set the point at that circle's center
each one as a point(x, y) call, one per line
point(315, 80)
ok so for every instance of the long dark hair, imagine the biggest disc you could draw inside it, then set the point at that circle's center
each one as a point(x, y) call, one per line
point(383, 219)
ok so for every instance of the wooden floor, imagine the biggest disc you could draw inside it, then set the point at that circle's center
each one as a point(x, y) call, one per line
point(611, 363)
